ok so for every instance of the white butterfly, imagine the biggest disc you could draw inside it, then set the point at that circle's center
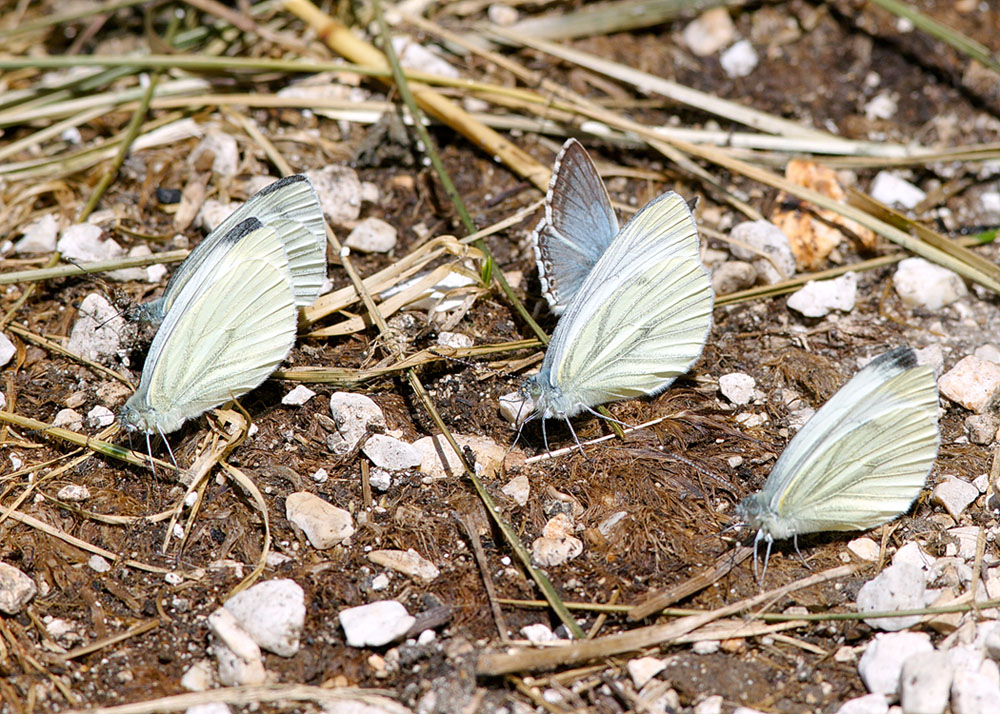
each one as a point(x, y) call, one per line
point(230, 325)
point(859, 462)
point(635, 312)
point(289, 204)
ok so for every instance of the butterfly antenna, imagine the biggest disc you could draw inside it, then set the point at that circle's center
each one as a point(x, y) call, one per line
point(169, 450)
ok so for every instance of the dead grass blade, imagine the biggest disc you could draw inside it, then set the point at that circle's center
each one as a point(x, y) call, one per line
point(103, 266)
point(340, 39)
point(608, 17)
point(99, 645)
point(493, 664)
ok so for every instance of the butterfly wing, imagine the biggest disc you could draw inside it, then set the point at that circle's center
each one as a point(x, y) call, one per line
point(864, 456)
point(231, 325)
point(578, 226)
point(288, 200)
point(641, 316)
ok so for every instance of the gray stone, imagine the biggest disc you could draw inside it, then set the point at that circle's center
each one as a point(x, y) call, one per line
point(355, 414)
point(974, 383)
point(375, 624)
point(981, 428)
point(99, 330)
point(737, 387)
point(73, 493)
point(902, 586)
point(882, 662)
point(925, 683)
point(409, 562)
point(372, 235)
point(339, 191)
point(39, 236)
point(273, 612)
point(222, 149)
point(324, 524)
point(733, 275)
point(763, 237)
point(988, 352)
point(16, 589)
point(298, 396)
point(955, 495)
point(392, 454)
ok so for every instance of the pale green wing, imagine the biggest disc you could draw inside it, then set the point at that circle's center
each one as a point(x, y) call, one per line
point(642, 315)
point(228, 330)
point(635, 335)
point(291, 200)
point(864, 456)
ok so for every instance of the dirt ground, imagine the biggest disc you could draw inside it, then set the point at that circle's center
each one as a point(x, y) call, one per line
point(674, 481)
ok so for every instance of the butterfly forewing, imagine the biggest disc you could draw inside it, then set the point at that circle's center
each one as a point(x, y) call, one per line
point(229, 327)
point(290, 199)
point(578, 226)
point(865, 455)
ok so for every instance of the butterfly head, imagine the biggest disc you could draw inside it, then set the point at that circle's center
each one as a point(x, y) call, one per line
point(549, 401)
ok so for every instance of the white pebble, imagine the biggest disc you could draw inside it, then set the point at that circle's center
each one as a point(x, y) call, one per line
point(925, 683)
point(737, 387)
point(380, 479)
point(988, 352)
point(413, 55)
point(223, 149)
point(82, 242)
point(39, 236)
point(213, 212)
point(882, 106)
point(98, 564)
point(324, 524)
point(557, 544)
point(339, 190)
point(921, 283)
point(236, 671)
point(932, 356)
point(454, 339)
point(16, 589)
point(198, 677)
point(764, 237)
point(864, 548)
point(705, 647)
point(354, 414)
point(974, 383)
point(73, 493)
point(440, 460)
point(974, 693)
point(902, 586)
point(392, 454)
point(233, 635)
point(820, 297)
point(740, 59)
point(273, 613)
point(538, 633)
point(709, 32)
point(100, 416)
point(320, 476)
point(503, 15)
point(955, 495)
point(882, 663)
point(298, 396)
point(710, 705)
point(380, 582)
point(372, 235)
point(7, 349)
point(868, 704)
point(67, 419)
point(891, 189)
point(408, 562)
point(515, 407)
point(518, 489)
point(375, 624)
point(733, 275)
point(643, 669)
point(99, 330)
point(209, 708)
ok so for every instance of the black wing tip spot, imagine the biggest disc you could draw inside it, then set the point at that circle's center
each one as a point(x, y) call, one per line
point(247, 225)
point(281, 183)
point(901, 358)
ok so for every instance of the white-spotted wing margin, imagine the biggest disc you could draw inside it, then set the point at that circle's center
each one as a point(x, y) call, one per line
point(640, 318)
point(230, 326)
point(860, 461)
point(291, 200)
point(578, 226)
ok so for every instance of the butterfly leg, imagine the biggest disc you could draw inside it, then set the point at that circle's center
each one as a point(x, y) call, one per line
point(169, 450)
point(767, 559)
point(576, 438)
point(149, 452)
point(795, 540)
